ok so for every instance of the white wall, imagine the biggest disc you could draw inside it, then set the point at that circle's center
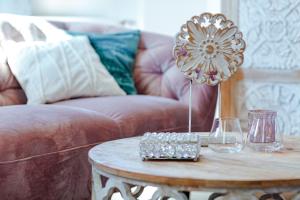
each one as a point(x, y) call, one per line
point(166, 16)
point(163, 16)
point(15, 6)
point(112, 10)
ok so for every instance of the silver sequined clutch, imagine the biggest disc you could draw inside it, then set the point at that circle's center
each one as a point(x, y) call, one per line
point(170, 146)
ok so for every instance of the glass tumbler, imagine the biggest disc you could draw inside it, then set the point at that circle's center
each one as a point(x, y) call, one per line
point(226, 136)
point(262, 131)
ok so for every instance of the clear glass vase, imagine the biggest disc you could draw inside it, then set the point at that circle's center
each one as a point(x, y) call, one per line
point(226, 136)
point(263, 134)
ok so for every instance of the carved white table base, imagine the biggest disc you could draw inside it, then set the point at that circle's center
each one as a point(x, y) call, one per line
point(127, 191)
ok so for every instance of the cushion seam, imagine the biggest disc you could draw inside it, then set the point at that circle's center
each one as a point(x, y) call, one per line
point(48, 154)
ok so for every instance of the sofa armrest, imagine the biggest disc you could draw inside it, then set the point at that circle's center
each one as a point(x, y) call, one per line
point(157, 74)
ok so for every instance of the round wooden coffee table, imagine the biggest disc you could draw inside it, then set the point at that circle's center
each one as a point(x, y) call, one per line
point(235, 176)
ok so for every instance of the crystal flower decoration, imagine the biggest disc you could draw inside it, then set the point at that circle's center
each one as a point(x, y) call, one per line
point(209, 48)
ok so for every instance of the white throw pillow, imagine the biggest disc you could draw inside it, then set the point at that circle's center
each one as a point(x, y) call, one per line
point(57, 70)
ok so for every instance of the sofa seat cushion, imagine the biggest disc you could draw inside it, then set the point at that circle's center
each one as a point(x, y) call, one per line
point(33, 131)
point(137, 114)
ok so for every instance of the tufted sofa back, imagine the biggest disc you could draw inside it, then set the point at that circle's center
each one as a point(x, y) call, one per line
point(155, 72)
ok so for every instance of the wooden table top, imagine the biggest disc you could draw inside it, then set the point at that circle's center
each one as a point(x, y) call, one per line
point(247, 169)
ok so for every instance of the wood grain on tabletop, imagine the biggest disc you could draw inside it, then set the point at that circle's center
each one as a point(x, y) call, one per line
point(247, 169)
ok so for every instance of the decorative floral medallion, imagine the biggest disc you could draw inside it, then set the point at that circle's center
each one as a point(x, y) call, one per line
point(209, 48)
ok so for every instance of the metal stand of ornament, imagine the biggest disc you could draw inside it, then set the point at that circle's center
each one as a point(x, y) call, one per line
point(218, 105)
point(209, 48)
point(190, 106)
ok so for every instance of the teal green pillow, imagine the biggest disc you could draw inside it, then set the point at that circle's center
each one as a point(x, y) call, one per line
point(117, 53)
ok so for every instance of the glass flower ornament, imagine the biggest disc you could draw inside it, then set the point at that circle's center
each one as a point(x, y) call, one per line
point(209, 48)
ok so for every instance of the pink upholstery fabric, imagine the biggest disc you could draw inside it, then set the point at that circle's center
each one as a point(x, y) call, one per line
point(64, 175)
point(156, 74)
point(10, 91)
point(43, 150)
point(28, 131)
point(138, 114)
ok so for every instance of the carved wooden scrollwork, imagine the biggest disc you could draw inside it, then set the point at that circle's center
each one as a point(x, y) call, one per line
point(271, 31)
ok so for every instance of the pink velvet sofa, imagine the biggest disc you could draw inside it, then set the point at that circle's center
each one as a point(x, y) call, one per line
point(43, 148)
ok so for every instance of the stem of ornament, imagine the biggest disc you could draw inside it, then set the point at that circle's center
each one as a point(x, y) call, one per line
point(218, 115)
point(190, 108)
point(219, 102)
